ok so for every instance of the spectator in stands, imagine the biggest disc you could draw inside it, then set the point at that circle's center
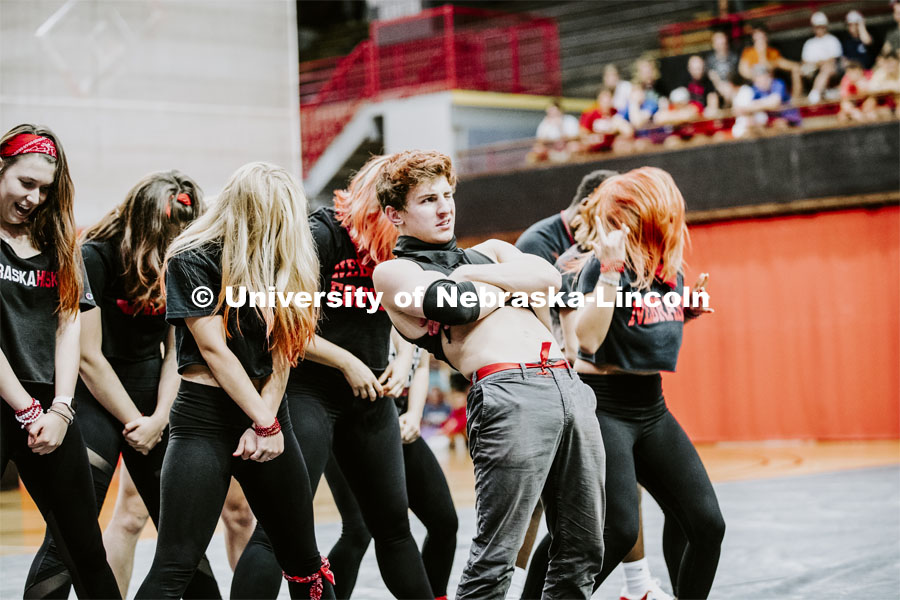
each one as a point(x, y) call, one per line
point(721, 64)
point(621, 89)
point(557, 136)
point(602, 128)
point(700, 87)
point(455, 425)
point(856, 83)
point(436, 410)
point(892, 40)
point(820, 57)
point(886, 75)
point(680, 109)
point(857, 44)
point(760, 53)
point(646, 77)
point(639, 115)
point(886, 79)
point(766, 104)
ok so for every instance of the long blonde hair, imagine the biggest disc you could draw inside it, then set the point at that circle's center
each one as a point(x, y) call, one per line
point(650, 204)
point(359, 212)
point(155, 210)
point(260, 221)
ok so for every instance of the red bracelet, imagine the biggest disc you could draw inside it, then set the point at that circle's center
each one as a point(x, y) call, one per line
point(29, 415)
point(267, 431)
point(616, 265)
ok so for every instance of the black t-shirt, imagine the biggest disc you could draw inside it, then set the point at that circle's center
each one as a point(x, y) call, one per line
point(29, 297)
point(202, 267)
point(854, 49)
point(548, 238)
point(350, 326)
point(563, 264)
point(128, 335)
point(639, 338)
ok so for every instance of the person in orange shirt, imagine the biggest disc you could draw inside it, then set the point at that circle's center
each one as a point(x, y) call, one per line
point(760, 53)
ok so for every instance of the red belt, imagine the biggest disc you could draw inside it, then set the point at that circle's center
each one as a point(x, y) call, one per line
point(559, 363)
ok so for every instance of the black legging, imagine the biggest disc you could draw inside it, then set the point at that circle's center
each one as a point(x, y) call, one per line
point(429, 500)
point(205, 427)
point(645, 444)
point(48, 577)
point(60, 484)
point(365, 437)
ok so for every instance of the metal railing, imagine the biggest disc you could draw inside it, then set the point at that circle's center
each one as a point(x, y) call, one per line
point(444, 48)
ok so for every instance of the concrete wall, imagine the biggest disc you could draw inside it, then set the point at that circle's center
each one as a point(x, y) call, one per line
point(133, 86)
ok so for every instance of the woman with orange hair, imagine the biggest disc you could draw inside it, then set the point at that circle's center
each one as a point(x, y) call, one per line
point(635, 225)
point(340, 395)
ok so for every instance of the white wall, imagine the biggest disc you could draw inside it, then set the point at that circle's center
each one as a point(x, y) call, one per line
point(419, 123)
point(133, 86)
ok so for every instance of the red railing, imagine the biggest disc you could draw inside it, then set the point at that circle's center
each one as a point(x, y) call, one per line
point(439, 49)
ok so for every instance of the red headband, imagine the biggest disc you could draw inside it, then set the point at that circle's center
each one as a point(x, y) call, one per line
point(182, 198)
point(28, 143)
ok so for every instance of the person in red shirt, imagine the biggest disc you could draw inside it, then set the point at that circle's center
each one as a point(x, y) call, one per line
point(601, 125)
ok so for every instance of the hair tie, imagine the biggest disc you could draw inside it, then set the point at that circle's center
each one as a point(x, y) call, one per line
point(28, 143)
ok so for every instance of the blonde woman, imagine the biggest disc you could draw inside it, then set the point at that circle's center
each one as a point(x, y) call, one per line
point(340, 398)
point(228, 415)
point(635, 225)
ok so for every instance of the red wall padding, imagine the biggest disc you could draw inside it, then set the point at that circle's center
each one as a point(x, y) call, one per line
point(805, 340)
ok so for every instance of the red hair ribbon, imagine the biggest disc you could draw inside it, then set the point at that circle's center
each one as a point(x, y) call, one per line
point(181, 198)
point(28, 143)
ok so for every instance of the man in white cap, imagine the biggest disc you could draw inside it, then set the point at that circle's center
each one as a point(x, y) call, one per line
point(857, 45)
point(820, 55)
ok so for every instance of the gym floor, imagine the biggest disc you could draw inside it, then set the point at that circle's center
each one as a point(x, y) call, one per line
point(805, 520)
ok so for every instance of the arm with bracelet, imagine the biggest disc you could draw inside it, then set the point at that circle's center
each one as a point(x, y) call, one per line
point(209, 333)
point(48, 432)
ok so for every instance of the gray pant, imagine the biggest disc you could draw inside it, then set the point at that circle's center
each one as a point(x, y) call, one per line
point(532, 436)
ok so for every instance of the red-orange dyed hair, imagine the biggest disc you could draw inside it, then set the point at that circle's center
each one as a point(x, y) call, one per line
point(359, 212)
point(650, 204)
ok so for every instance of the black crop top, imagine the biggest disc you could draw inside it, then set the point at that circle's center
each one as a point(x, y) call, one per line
point(443, 258)
point(186, 273)
point(29, 297)
point(128, 335)
point(365, 335)
point(639, 338)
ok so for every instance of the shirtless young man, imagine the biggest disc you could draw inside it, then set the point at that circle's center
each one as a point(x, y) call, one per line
point(532, 430)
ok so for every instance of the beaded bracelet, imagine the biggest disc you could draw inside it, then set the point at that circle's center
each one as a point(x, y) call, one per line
point(616, 265)
point(29, 415)
point(269, 431)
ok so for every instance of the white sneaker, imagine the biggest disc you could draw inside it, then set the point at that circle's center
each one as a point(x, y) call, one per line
point(814, 97)
point(653, 592)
